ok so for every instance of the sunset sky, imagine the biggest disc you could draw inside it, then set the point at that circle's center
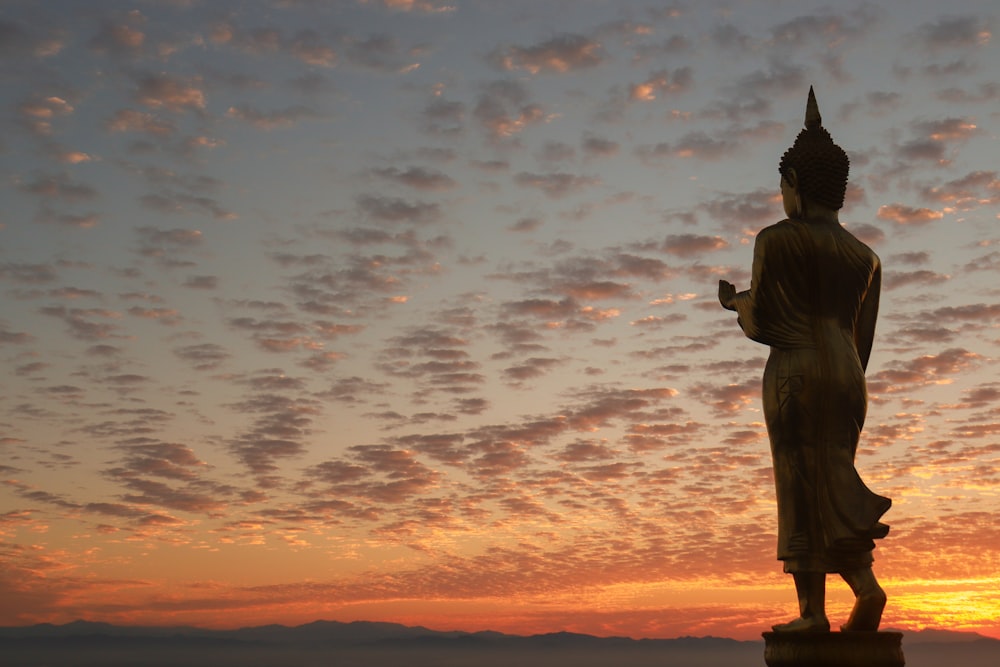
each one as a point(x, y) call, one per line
point(405, 310)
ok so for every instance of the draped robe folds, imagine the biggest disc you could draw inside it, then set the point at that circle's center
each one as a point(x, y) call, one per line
point(813, 299)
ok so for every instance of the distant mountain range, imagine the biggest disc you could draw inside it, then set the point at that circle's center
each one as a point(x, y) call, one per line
point(357, 633)
point(366, 633)
point(375, 644)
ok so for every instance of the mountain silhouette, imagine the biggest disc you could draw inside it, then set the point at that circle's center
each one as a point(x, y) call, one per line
point(374, 644)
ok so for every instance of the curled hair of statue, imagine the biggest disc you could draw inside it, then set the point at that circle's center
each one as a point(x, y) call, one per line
point(820, 165)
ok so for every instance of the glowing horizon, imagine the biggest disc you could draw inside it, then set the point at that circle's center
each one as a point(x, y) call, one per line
point(406, 310)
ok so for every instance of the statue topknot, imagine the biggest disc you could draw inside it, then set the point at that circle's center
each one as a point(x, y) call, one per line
point(820, 165)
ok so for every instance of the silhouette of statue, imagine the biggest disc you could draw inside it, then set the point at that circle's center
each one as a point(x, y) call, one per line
point(813, 299)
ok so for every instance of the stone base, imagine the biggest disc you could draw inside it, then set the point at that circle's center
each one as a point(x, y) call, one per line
point(833, 649)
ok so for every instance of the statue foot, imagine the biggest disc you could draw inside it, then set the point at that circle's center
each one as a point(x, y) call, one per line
point(867, 612)
point(804, 624)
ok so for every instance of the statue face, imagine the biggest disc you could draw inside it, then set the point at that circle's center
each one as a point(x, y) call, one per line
point(788, 199)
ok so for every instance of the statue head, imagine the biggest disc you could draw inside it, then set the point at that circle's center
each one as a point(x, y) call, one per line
point(814, 165)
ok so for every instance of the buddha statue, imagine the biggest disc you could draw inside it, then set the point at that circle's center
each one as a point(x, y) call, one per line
point(813, 299)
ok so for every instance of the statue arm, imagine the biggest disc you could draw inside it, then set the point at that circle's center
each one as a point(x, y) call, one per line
point(864, 331)
point(745, 303)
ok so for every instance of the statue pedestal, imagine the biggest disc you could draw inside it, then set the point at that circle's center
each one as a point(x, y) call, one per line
point(833, 649)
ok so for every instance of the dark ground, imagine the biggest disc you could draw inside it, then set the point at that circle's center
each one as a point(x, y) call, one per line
point(750, 654)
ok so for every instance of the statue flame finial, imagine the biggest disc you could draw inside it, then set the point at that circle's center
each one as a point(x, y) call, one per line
point(813, 119)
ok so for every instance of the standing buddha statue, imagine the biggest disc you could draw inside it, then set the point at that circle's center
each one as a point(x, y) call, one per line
point(813, 299)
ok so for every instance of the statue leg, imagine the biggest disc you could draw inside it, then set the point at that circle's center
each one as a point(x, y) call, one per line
point(868, 603)
point(811, 590)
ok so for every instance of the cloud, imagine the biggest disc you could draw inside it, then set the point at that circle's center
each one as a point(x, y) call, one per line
point(661, 82)
point(88, 324)
point(355, 390)
point(981, 396)
point(721, 145)
point(436, 359)
point(162, 91)
point(745, 210)
point(308, 46)
point(183, 203)
point(644, 437)
point(406, 476)
point(668, 48)
point(345, 289)
point(986, 92)
point(201, 282)
point(305, 45)
point(285, 335)
point(556, 151)
point(987, 262)
point(576, 279)
point(160, 494)
point(976, 312)
point(896, 279)
point(561, 54)
point(379, 52)
point(202, 356)
point(779, 78)
point(503, 109)
point(924, 370)
point(585, 451)
point(8, 337)
point(926, 334)
point(162, 459)
point(425, 6)
point(692, 245)
point(950, 71)
point(129, 120)
point(922, 149)
point(701, 145)
point(395, 210)
point(912, 258)
point(441, 116)
point(120, 38)
point(168, 247)
point(270, 120)
point(971, 191)
point(166, 316)
point(729, 398)
point(599, 147)
point(657, 321)
point(557, 184)
point(46, 216)
point(530, 369)
point(525, 225)
point(869, 234)
point(881, 101)
point(955, 32)
point(375, 475)
point(730, 37)
point(831, 30)
point(38, 113)
point(548, 309)
point(67, 156)
point(419, 178)
point(601, 406)
point(58, 186)
point(902, 214)
point(279, 430)
point(18, 40)
point(946, 129)
point(932, 139)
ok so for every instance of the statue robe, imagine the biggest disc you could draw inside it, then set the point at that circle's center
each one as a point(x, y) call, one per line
point(814, 299)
